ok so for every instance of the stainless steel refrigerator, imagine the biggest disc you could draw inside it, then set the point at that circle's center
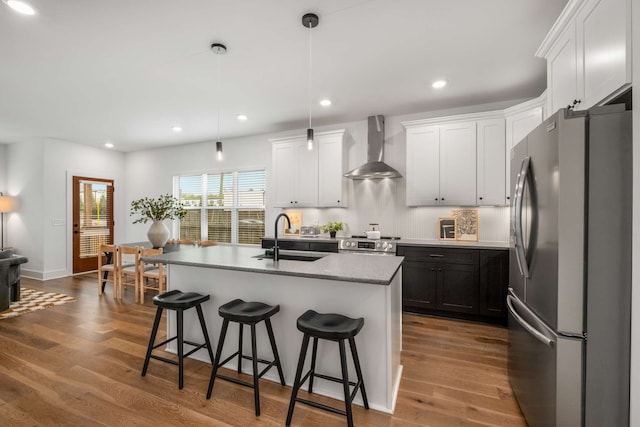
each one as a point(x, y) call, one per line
point(569, 296)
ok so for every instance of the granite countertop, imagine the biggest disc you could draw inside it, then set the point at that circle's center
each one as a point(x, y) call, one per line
point(373, 269)
point(453, 244)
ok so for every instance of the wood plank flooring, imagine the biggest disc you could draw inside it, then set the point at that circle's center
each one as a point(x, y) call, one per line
point(79, 364)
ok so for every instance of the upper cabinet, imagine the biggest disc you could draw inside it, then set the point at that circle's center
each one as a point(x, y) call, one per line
point(456, 161)
point(588, 53)
point(491, 162)
point(309, 178)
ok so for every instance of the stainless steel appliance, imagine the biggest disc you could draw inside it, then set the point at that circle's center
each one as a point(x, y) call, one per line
point(570, 269)
point(360, 244)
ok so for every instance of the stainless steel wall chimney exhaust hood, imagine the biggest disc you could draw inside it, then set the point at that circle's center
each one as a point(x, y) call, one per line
point(375, 168)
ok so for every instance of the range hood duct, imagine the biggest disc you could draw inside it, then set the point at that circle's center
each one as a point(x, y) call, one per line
point(375, 168)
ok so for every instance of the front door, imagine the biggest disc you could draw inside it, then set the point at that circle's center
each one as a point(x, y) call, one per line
point(92, 220)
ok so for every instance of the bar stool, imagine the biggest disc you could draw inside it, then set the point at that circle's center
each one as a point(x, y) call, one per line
point(178, 301)
point(246, 313)
point(332, 327)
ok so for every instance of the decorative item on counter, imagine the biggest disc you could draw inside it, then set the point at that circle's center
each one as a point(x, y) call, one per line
point(466, 224)
point(157, 210)
point(446, 228)
point(309, 230)
point(296, 223)
point(332, 227)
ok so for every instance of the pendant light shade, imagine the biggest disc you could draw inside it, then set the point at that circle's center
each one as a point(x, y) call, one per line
point(310, 20)
point(218, 49)
point(219, 155)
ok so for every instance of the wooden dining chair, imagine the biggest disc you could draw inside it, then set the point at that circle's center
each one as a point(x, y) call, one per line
point(208, 243)
point(186, 241)
point(108, 268)
point(151, 275)
point(128, 258)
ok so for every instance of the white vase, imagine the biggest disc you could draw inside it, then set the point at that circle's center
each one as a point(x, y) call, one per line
point(158, 234)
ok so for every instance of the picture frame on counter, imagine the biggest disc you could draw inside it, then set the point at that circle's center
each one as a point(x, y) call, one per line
point(447, 228)
point(466, 224)
point(296, 223)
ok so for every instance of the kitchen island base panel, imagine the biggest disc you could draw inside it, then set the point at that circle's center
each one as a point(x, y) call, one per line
point(379, 342)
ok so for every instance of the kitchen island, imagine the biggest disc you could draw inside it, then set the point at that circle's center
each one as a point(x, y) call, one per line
point(351, 284)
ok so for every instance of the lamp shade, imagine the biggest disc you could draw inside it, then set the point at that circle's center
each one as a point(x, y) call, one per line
point(6, 204)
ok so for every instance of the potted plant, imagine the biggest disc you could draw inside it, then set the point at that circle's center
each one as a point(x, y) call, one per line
point(332, 227)
point(157, 210)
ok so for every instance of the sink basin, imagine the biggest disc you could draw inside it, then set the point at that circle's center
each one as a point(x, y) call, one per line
point(291, 257)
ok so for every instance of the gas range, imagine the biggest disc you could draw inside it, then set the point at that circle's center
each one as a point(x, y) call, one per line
point(360, 244)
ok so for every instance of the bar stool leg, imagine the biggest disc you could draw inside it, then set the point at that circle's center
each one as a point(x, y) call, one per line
point(214, 372)
point(254, 357)
point(356, 362)
point(276, 356)
point(152, 340)
point(179, 325)
point(296, 383)
point(240, 347)
point(313, 363)
point(345, 383)
point(205, 332)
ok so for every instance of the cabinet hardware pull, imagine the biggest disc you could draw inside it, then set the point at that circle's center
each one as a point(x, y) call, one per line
point(439, 269)
point(442, 199)
point(436, 199)
point(480, 198)
point(436, 255)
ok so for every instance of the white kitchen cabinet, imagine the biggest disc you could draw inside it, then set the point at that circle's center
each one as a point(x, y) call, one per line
point(441, 164)
point(562, 70)
point(304, 178)
point(332, 185)
point(423, 166)
point(604, 43)
point(458, 164)
point(491, 155)
point(519, 121)
point(588, 53)
point(295, 174)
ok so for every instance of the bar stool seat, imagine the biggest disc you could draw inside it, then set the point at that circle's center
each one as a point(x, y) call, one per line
point(332, 327)
point(246, 313)
point(178, 301)
point(329, 326)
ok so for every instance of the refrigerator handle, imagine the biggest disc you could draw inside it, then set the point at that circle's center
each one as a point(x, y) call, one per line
point(516, 217)
point(533, 331)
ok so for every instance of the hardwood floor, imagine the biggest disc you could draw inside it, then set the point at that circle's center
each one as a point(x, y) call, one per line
point(79, 364)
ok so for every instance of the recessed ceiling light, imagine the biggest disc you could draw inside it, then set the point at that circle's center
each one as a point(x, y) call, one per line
point(439, 84)
point(242, 117)
point(325, 102)
point(20, 7)
point(108, 144)
point(176, 128)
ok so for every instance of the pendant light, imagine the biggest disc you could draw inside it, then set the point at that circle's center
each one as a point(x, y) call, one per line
point(219, 49)
point(310, 20)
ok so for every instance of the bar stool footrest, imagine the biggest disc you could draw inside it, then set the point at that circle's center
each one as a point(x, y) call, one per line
point(164, 359)
point(321, 406)
point(234, 380)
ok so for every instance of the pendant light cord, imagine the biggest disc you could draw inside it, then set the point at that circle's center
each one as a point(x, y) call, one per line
point(309, 93)
point(218, 94)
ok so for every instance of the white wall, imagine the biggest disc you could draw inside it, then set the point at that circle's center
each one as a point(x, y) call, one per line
point(149, 173)
point(24, 182)
point(3, 167)
point(63, 160)
point(39, 176)
point(635, 281)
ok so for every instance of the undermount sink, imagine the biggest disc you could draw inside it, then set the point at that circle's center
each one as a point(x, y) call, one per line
point(291, 257)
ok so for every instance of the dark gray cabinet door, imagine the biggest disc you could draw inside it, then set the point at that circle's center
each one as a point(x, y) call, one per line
point(457, 289)
point(418, 285)
point(494, 277)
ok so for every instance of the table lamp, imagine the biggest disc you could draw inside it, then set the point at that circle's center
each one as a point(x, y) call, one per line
point(6, 205)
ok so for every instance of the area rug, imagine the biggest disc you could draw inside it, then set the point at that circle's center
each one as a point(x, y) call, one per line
point(32, 300)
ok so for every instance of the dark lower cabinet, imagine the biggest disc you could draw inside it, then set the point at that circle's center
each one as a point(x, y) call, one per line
point(455, 282)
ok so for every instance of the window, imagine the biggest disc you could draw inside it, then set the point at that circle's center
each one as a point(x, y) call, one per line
point(227, 207)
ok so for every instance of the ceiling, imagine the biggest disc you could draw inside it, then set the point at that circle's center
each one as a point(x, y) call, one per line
point(127, 71)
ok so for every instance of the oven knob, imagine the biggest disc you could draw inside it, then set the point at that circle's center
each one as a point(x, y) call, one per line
point(390, 246)
point(378, 245)
point(353, 244)
point(384, 245)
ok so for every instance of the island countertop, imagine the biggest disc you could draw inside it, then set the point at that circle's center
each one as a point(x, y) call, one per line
point(373, 269)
